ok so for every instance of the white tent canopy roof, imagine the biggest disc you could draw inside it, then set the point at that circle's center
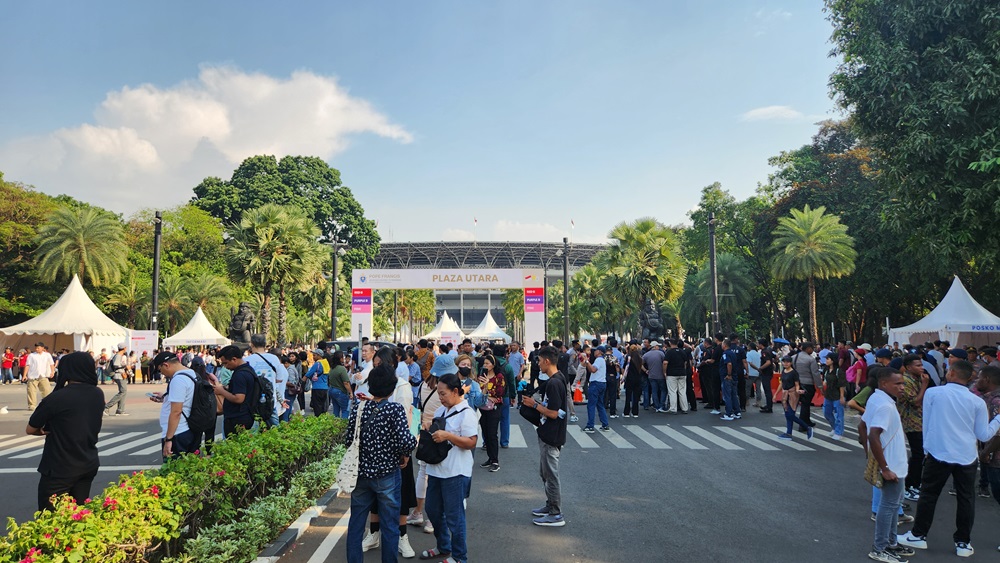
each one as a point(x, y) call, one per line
point(956, 314)
point(489, 330)
point(446, 324)
point(74, 317)
point(198, 332)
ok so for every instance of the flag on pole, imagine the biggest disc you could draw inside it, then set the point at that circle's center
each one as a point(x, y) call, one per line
point(572, 223)
point(475, 221)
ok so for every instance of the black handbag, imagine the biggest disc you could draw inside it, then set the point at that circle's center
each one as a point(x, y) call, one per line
point(429, 451)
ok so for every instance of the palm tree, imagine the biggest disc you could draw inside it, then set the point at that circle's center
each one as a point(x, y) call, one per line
point(643, 263)
point(175, 300)
point(211, 293)
point(735, 286)
point(85, 241)
point(127, 295)
point(272, 245)
point(808, 245)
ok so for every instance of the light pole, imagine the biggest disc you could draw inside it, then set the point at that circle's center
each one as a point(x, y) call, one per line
point(338, 250)
point(565, 257)
point(714, 271)
point(157, 235)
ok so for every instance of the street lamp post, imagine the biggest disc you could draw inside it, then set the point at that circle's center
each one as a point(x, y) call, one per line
point(338, 251)
point(565, 258)
point(157, 235)
point(714, 272)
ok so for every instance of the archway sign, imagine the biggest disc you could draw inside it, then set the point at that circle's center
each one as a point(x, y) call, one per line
point(532, 281)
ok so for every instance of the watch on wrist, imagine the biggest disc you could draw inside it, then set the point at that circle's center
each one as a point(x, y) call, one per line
point(168, 439)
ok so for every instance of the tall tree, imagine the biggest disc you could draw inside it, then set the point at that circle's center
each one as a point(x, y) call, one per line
point(922, 81)
point(84, 241)
point(307, 183)
point(735, 287)
point(808, 245)
point(643, 263)
point(175, 300)
point(130, 296)
point(22, 212)
point(211, 293)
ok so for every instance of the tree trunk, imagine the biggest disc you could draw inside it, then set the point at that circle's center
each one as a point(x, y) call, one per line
point(813, 326)
point(282, 316)
point(265, 313)
point(131, 316)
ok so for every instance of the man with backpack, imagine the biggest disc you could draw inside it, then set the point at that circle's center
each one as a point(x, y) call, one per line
point(266, 365)
point(175, 415)
point(119, 374)
point(241, 398)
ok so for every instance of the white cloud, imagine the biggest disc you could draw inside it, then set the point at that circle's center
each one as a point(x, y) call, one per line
point(150, 145)
point(786, 113)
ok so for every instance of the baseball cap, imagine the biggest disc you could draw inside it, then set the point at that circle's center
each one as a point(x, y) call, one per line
point(121, 345)
point(959, 353)
point(654, 343)
point(866, 347)
point(162, 358)
point(883, 353)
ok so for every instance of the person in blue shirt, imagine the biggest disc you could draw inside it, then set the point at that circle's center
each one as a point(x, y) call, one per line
point(730, 378)
point(319, 375)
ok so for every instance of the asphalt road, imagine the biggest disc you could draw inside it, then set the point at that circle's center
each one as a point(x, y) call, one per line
point(660, 488)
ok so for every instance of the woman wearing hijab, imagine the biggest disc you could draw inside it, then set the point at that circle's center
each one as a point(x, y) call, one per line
point(70, 419)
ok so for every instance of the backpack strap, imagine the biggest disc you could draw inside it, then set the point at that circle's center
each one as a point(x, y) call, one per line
point(427, 400)
point(269, 363)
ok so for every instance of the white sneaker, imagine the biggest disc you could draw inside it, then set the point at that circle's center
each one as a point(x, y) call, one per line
point(371, 541)
point(836, 437)
point(715, 411)
point(726, 417)
point(910, 540)
point(964, 549)
point(404, 547)
point(428, 527)
point(415, 519)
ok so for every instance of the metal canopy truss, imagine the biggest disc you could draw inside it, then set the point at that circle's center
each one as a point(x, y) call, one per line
point(471, 254)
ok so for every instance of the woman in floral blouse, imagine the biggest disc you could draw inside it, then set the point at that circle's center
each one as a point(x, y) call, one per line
point(491, 381)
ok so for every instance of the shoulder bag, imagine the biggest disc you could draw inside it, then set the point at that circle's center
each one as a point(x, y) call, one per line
point(872, 473)
point(347, 473)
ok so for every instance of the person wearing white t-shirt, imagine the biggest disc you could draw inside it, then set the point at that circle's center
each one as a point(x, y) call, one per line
point(38, 370)
point(268, 365)
point(881, 430)
point(177, 437)
point(448, 482)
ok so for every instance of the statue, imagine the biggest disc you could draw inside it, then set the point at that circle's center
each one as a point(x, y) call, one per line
point(650, 322)
point(241, 325)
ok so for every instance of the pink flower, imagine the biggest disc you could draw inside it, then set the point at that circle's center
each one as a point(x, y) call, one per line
point(220, 473)
point(48, 536)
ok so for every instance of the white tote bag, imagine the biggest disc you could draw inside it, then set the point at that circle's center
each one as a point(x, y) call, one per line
point(347, 473)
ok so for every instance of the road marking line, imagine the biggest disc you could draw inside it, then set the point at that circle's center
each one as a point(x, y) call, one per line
point(16, 441)
point(651, 440)
point(617, 440)
point(516, 437)
point(724, 444)
point(789, 443)
point(580, 437)
point(817, 441)
point(37, 442)
point(113, 468)
point(752, 441)
point(154, 437)
point(826, 425)
point(684, 440)
point(100, 444)
point(330, 541)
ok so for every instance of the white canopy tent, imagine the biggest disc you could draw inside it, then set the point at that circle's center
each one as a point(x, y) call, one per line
point(72, 322)
point(958, 318)
point(198, 332)
point(489, 330)
point(446, 324)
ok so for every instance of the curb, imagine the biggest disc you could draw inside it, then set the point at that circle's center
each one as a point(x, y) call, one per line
point(273, 551)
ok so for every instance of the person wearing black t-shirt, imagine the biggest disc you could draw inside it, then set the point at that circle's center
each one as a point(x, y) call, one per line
point(70, 419)
point(551, 437)
point(236, 411)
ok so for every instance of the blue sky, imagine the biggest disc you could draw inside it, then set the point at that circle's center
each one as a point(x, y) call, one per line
point(523, 114)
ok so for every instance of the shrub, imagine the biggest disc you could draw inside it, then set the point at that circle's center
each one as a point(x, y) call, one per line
point(145, 516)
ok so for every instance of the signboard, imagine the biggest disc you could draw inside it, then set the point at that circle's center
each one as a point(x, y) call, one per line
point(140, 341)
point(451, 337)
point(532, 281)
point(361, 301)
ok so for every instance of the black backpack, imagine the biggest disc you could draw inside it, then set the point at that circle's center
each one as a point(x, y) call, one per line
point(203, 406)
point(429, 451)
point(262, 398)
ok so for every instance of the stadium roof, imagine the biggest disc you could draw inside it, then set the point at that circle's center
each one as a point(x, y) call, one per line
point(471, 254)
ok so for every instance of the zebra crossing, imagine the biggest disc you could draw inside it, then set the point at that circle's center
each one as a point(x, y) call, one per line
point(623, 436)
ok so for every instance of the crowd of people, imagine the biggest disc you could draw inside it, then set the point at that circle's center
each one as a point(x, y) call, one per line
point(407, 402)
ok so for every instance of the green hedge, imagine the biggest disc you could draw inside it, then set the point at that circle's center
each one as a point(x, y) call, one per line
point(149, 515)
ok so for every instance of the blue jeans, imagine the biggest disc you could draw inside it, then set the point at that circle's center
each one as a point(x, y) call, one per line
point(730, 394)
point(886, 518)
point(340, 403)
point(833, 412)
point(790, 419)
point(877, 498)
point(384, 494)
point(8, 375)
point(445, 508)
point(505, 422)
point(645, 391)
point(595, 402)
point(658, 390)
